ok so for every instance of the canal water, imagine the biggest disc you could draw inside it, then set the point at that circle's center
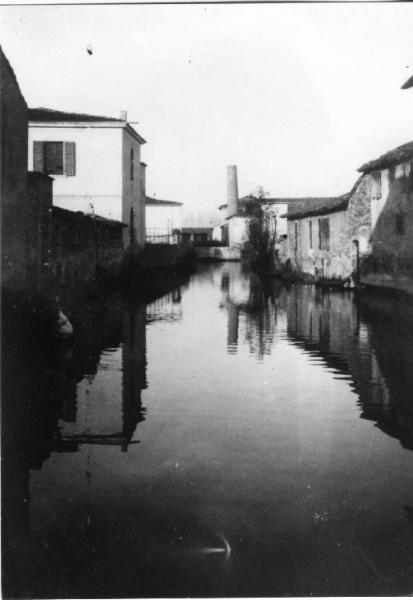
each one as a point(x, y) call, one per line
point(228, 436)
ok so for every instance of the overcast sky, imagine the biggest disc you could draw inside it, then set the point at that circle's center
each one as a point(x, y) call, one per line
point(298, 96)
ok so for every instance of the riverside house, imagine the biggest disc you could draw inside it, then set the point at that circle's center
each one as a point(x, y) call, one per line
point(329, 237)
point(95, 163)
point(390, 260)
point(367, 234)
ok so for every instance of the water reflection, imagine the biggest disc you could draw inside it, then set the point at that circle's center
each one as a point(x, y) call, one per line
point(59, 396)
point(226, 409)
point(372, 348)
point(104, 407)
point(367, 340)
point(250, 300)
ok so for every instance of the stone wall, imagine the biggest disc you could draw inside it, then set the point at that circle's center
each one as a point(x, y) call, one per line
point(331, 260)
point(359, 223)
point(390, 262)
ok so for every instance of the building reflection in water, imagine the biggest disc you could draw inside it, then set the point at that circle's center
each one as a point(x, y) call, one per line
point(106, 407)
point(366, 340)
point(251, 308)
point(60, 395)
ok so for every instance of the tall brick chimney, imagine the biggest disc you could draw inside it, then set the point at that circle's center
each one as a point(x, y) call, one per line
point(232, 191)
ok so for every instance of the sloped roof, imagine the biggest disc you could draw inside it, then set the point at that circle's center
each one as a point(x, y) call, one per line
point(155, 202)
point(321, 206)
point(393, 157)
point(51, 116)
point(318, 206)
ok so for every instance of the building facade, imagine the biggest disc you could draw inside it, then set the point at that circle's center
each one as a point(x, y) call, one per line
point(95, 163)
point(317, 239)
point(390, 259)
point(328, 238)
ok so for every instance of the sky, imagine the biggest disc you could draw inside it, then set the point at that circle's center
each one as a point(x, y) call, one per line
point(298, 96)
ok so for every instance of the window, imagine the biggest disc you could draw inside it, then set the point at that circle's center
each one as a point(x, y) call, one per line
point(132, 164)
point(54, 158)
point(376, 184)
point(324, 234)
point(310, 233)
point(399, 225)
point(407, 181)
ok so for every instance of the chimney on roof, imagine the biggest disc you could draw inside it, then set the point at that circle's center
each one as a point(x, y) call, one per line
point(124, 115)
point(232, 191)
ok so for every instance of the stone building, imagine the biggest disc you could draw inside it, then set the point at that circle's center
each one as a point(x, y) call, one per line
point(390, 260)
point(317, 238)
point(95, 163)
point(329, 237)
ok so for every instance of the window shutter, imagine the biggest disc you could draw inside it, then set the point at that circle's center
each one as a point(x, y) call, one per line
point(38, 157)
point(70, 158)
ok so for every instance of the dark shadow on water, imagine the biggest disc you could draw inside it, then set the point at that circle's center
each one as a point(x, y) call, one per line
point(41, 414)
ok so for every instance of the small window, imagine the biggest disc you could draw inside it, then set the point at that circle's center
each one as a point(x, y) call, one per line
point(399, 224)
point(376, 184)
point(132, 164)
point(310, 233)
point(324, 234)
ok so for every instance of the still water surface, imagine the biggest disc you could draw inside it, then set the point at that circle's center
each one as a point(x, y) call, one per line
point(231, 438)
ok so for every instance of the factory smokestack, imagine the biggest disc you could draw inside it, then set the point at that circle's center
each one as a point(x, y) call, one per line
point(232, 191)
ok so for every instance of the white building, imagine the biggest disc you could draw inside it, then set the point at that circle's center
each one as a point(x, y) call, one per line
point(95, 163)
point(233, 228)
point(163, 221)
